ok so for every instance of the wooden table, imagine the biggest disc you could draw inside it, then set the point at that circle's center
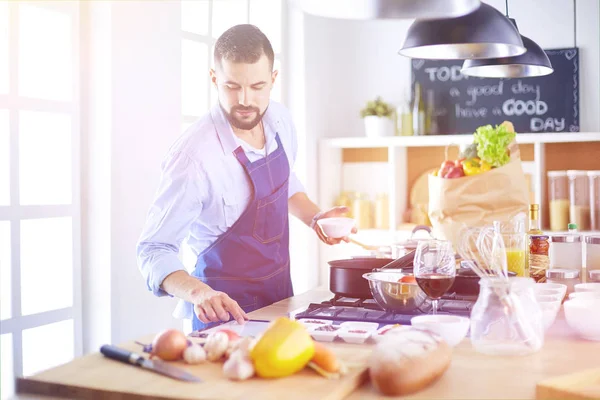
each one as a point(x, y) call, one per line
point(473, 375)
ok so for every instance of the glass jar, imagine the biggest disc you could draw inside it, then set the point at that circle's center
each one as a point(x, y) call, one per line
point(516, 245)
point(579, 198)
point(558, 199)
point(594, 275)
point(362, 211)
point(382, 214)
point(539, 261)
point(506, 318)
point(594, 177)
point(592, 253)
point(567, 277)
point(566, 251)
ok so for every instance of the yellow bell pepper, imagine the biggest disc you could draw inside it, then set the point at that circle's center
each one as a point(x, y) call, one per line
point(284, 349)
point(474, 166)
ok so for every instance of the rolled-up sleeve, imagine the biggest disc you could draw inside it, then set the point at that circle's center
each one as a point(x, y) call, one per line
point(176, 206)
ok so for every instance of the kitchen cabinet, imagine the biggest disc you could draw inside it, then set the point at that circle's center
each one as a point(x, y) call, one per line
point(401, 159)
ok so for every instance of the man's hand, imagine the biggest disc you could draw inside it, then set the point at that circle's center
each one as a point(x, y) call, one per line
point(213, 306)
point(334, 212)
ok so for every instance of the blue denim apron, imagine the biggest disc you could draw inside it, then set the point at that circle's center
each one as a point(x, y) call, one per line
point(251, 261)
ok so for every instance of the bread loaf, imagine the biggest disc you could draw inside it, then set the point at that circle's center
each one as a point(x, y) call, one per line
point(407, 361)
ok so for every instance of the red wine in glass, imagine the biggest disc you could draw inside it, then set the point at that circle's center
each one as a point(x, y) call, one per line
point(435, 285)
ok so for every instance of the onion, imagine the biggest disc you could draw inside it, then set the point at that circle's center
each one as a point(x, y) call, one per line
point(169, 345)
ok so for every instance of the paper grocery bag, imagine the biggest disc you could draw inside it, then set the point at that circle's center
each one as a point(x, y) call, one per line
point(475, 201)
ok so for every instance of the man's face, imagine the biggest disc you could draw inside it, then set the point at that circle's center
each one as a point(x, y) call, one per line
point(244, 90)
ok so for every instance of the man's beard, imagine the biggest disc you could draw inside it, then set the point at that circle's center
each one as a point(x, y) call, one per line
point(244, 125)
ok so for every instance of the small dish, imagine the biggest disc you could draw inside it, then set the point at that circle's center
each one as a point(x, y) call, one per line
point(545, 288)
point(584, 295)
point(363, 326)
point(550, 306)
point(588, 287)
point(310, 322)
point(582, 317)
point(388, 330)
point(355, 335)
point(451, 328)
point(336, 227)
point(324, 333)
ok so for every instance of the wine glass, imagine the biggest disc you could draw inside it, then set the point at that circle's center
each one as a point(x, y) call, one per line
point(434, 268)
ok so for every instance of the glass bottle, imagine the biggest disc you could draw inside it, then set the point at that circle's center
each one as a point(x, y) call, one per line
point(418, 111)
point(431, 126)
point(404, 117)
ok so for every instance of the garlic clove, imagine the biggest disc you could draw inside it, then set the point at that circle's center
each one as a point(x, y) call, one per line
point(194, 354)
point(216, 345)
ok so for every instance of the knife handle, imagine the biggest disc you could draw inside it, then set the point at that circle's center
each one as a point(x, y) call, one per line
point(119, 354)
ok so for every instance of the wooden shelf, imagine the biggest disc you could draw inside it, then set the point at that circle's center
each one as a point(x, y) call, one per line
point(444, 140)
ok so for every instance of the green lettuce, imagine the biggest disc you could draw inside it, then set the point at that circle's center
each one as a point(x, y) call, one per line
point(492, 144)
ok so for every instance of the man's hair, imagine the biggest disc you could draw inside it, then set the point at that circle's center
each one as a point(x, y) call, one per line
point(243, 44)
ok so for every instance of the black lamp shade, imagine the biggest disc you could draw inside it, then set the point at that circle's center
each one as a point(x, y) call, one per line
point(534, 62)
point(484, 33)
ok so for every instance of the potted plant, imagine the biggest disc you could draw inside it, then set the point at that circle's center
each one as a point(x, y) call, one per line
point(379, 118)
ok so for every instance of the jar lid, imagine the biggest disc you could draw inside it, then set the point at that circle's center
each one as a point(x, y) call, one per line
point(565, 238)
point(593, 173)
point(592, 239)
point(573, 172)
point(561, 273)
point(594, 275)
point(556, 174)
point(540, 237)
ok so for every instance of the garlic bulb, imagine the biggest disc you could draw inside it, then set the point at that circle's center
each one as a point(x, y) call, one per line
point(216, 345)
point(242, 344)
point(194, 354)
point(238, 367)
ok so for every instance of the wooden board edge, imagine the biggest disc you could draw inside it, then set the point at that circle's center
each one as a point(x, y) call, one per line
point(45, 388)
point(565, 386)
point(346, 390)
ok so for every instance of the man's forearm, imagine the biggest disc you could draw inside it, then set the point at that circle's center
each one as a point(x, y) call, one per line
point(181, 285)
point(301, 207)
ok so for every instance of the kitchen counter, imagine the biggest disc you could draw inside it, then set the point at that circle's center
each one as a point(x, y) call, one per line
point(472, 375)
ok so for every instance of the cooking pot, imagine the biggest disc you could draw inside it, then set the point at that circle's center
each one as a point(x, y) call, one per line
point(346, 276)
point(397, 249)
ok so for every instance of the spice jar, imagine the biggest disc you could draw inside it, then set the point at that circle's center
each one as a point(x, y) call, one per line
point(568, 277)
point(594, 177)
point(566, 251)
point(558, 194)
point(539, 261)
point(382, 215)
point(594, 275)
point(592, 253)
point(579, 197)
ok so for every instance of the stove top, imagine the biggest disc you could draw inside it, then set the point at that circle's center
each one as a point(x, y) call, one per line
point(367, 310)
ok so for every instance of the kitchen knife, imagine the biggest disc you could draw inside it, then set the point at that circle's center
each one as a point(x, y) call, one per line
point(157, 366)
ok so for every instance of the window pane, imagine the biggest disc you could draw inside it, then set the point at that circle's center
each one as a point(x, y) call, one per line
point(45, 53)
point(4, 159)
point(46, 264)
point(194, 77)
point(194, 16)
point(276, 91)
point(47, 346)
point(7, 381)
point(266, 15)
point(5, 271)
point(4, 47)
point(227, 13)
point(44, 158)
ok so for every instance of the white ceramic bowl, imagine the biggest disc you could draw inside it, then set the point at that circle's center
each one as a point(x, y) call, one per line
point(588, 287)
point(544, 288)
point(336, 227)
point(583, 316)
point(584, 295)
point(451, 328)
point(550, 305)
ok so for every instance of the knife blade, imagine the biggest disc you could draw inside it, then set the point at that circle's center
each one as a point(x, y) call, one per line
point(160, 367)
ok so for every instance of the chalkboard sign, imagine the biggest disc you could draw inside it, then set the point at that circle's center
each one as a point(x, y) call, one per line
point(538, 104)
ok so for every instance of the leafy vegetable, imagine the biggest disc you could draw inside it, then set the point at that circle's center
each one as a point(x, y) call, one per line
point(469, 152)
point(492, 144)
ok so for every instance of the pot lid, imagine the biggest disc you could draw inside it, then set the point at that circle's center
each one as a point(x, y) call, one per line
point(412, 242)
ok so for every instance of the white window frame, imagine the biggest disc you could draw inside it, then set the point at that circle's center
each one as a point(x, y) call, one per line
point(210, 41)
point(15, 213)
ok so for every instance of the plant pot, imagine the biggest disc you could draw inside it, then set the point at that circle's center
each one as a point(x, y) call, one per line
point(379, 126)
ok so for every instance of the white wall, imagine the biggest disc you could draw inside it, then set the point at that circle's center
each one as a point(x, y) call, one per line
point(350, 62)
point(135, 115)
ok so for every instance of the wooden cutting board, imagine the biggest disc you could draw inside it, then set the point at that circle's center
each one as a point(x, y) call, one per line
point(94, 376)
point(582, 385)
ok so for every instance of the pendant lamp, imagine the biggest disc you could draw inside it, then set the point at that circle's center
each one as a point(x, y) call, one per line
point(484, 33)
point(388, 9)
point(534, 62)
